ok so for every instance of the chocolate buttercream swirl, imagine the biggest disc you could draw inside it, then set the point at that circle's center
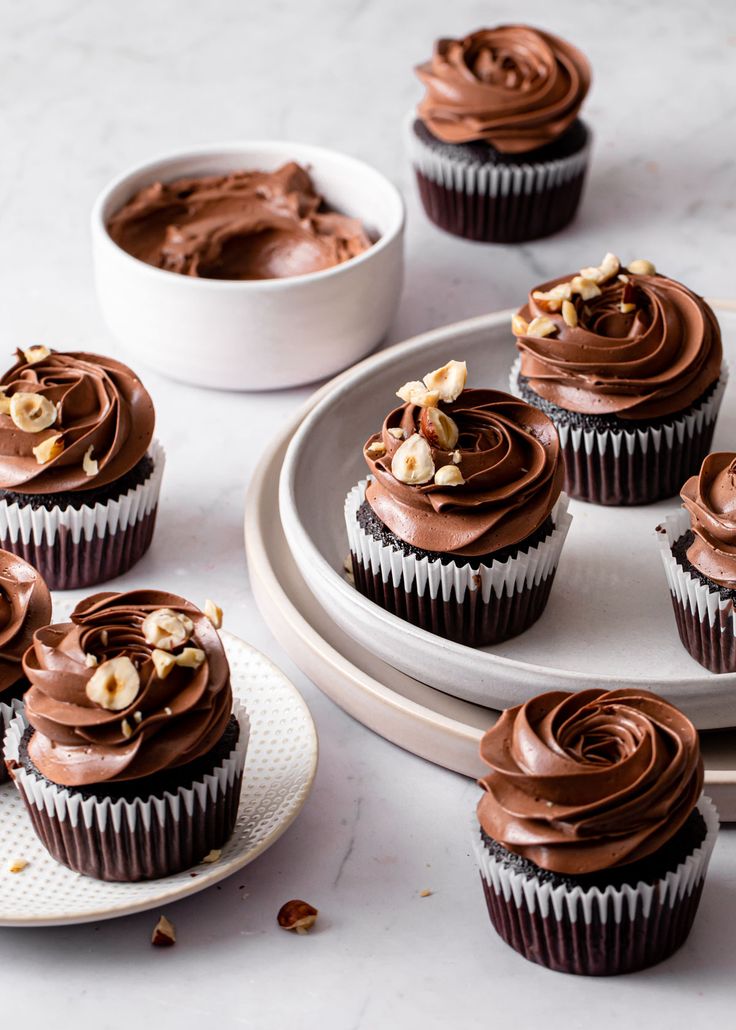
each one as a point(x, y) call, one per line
point(170, 722)
point(642, 349)
point(515, 87)
point(102, 410)
point(589, 781)
point(509, 455)
point(25, 606)
point(710, 498)
point(246, 225)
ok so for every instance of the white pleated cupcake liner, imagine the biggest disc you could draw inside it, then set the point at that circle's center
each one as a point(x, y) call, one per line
point(21, 522)
point(476, 178)
point(599, 442)
point(573, 904)
point(700, 599)
point(67, 805)
point(451, 581)
point(8, 711)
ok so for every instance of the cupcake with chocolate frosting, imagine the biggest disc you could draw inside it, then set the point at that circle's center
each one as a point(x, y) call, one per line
point(629, 366)
point(593, 837)
point(80, 472)
point(25, 606)
point(499, 151)
point(130, 753)
point(698, 548)
point(460, 525)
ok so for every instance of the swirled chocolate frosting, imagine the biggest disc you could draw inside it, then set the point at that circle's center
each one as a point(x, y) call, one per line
point(514, 87)
point(643, 348)
point(246, 225)
point(103, 412)
point(25, 606)
point(710, 498)
point(589, 781)
point(170, 722)
point(509, 456)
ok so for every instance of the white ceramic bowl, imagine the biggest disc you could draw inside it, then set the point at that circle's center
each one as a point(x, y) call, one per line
point(255, 335)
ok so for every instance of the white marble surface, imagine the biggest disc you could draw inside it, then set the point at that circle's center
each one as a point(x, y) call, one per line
point(88, 88)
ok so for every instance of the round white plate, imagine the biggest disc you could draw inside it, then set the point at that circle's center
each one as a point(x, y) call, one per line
point(279, 770)
point(609, 621)
point(424, 721)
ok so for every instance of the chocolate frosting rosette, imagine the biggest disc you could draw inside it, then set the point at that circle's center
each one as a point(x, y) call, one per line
point(25, 606)
point(629, 366)
point(80, 472)
point(592, 835)
point(460, 526)
point(698, 548)
point(130, 736)
point(499, 120)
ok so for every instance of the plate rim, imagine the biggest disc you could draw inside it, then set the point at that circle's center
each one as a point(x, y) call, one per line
point(217, 873)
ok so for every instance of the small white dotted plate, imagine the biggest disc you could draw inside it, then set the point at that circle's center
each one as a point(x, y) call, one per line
point(279, 770)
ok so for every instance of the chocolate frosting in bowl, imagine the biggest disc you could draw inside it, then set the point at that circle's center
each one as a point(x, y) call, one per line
point(103, 415)
point(710, 498)
point(509, 456)
point(515, 87)
point(170, 722)
point(245, 225)
point(25, 606)
point(645, 347)
point(589, 781)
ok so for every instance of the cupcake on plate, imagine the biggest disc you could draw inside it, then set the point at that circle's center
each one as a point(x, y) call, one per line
point(698, 548)
point(25, 606)
point(460, 526)
point(592, 837)
point(130, 754)
point(498, 149)
point(80, 473)
point(628, 364)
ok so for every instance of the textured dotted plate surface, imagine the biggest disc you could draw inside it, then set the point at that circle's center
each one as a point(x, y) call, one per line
point(279, 770)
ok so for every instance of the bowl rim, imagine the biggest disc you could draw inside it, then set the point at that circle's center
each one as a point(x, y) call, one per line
point(298, 151)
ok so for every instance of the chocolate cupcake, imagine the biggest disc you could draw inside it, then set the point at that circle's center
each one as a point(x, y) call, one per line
point(25, 606)
point(130, 754)
point(593, 838)
point(498, 149)
point(80, 473)
point(629, 366)
point(460, 527)
point(698, 548)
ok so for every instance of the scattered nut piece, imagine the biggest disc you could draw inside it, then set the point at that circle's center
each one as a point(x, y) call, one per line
point(449, 381)
point(607, 269)
point(90, 660)
point(190, 658)
point(569, 313)
point(48, 449)
point(89, 465)
point(541, 326)
point(164, 934)
point(585, 287)
point(412, 463)
point(622, 278)
point(36, 353)
point(377, 449)
point(125, 729)
point(519, 325)
point(168, 711)
point(32, 412)
point(449, 475)
point(552, 299)
point(641, 266)
point(104, 637)
point(138, 716)
point(457, 457)
point(17, 865)
point(297, 916)
point(212, 856)
point(626, 308)
point(425, 893)
point(417, 393)
point(114, 685)
point(4, 404)
point(397, 432)
point(213, 612)
point(167, 629)
point(163, 662)
point(438, 429)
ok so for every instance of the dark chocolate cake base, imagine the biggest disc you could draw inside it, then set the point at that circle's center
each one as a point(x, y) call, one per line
point(511, 217)
point(167, 846)
point(640, 476)
point(713, 646)
point(601, 947)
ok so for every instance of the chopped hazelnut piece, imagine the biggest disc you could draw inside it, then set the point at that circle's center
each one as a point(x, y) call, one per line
point(17, 865)
point(114, 685)
point(164, 934)
point(412, 463)
point(377, 449)
point(449, 381)
point(213, 612)
point(167, 629)
point(89, 465)
point(212, 856)
point(640, 266)
point(569, 313)
point(32, 412)
point(519, 325)
point(417, 393)
point(297, 916)
point(449, 475)
point(48, 449)
point(36, 353)
point(541, 326)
